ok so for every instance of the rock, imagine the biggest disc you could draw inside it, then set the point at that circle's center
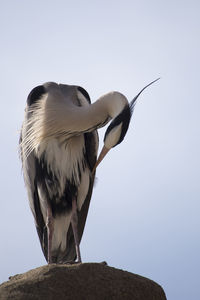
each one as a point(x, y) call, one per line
point(87, 281)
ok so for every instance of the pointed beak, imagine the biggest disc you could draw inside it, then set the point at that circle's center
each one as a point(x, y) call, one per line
point(103, 153)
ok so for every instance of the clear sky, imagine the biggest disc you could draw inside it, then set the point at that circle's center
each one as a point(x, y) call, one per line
point(144, 214)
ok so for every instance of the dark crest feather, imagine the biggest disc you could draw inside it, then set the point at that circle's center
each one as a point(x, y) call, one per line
point(133, 102)
point(125, 116)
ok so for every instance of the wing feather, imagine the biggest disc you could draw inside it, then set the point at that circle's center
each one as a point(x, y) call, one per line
point(29, 169)
point(91, 146)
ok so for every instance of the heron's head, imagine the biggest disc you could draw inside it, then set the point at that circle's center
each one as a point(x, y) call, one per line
point(117, 129)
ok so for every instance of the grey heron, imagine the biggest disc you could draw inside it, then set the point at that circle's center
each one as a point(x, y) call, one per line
point(58, 146)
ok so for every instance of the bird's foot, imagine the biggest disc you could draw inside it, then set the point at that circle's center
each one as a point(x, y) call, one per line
point(69, 262)
point(104, 263)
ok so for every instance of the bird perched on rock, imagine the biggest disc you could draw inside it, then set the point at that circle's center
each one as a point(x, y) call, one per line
point(58, 147)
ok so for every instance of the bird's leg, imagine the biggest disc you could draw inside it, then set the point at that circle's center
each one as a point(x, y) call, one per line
point(74, 222)
point(50, 228)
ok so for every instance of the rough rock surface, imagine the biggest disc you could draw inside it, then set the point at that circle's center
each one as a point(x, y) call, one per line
point(88, 281)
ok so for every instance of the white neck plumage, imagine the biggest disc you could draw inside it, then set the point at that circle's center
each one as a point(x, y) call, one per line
point(59, 118)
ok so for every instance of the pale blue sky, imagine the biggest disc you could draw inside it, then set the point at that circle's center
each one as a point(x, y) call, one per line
point(144, 214)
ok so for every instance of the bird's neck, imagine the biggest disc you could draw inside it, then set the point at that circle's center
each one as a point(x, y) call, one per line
point(111, 104)
point(99, 113)
point(53, 120)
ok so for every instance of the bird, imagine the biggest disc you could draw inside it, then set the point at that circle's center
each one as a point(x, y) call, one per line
point(58, 148)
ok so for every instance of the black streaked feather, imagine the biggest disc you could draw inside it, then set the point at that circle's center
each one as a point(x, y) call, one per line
point(90, 149)
point(48, 181)
point(36, 94)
